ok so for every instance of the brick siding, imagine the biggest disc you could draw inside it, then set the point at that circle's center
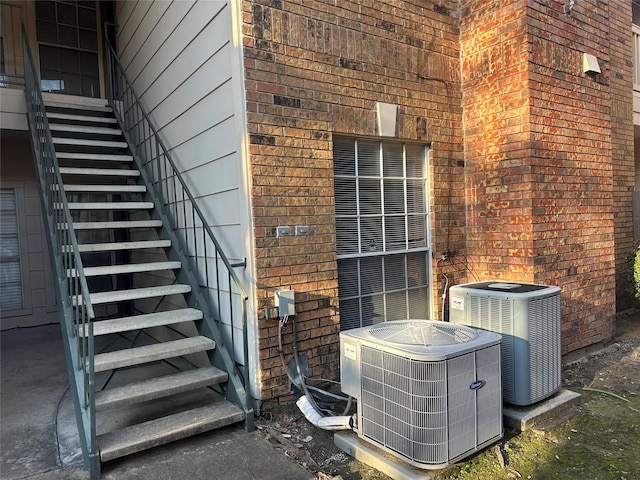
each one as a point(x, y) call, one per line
point(316, 69)
point(548, 157)
point(531, 163)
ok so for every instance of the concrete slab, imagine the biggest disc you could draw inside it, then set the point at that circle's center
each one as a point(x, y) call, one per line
point(34, 379)
point(370, 455)
point(39, 437)
point(527, 417)
point(230, 454)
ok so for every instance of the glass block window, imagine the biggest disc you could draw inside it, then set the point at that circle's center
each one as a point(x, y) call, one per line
point(381, 231)
point(10, 269)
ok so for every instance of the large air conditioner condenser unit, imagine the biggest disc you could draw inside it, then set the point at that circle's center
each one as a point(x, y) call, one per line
point(528, 318)
point(427, 392)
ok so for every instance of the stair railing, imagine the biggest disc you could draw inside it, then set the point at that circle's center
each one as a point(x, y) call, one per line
point(217, 288)
point(72, 294)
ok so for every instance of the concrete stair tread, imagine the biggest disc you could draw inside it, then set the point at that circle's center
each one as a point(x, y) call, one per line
point(105, 188)
point(80, 118)
point(111, 172)
point(135, 294)
point(109, 205)
point(151, 353)
point(147, 320)
point(167, 429)
point(109, 157)
point(116, 224)
point(89, 143)
point(85, 129)
point(129, 268)
point(77, 106)
point(107, 247)
point(159, 387)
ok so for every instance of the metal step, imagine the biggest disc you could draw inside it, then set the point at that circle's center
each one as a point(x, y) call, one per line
point(115, 188)
point(108, 172)
point(80, 118)
point(159, 387)
point(85, 129)
point(107, 247)
point(134, 294)
point(108, 205)
point(148, 320)
point(94, 156)
point(122, 269)
point(114, 224)
point(88, 143)
point(152, 353)
point(167, 429)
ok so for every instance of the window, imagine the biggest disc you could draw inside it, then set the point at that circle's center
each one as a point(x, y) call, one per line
point(381, 231)
point(68, 36)
point(10, 269)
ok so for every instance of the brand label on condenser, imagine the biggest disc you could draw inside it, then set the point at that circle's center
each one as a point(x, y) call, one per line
point(477, 385)
point(350, 351)
point(457, 303)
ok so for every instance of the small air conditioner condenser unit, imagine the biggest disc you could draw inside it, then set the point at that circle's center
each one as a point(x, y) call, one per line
point(427, 392)
point(528, 318)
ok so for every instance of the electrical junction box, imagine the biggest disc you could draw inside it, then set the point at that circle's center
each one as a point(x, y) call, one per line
point(285, 301)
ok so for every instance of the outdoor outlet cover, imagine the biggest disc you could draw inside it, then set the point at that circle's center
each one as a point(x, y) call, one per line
point(283, 231)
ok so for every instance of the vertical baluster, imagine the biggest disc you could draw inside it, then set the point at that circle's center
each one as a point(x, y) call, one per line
point(206, 261)
point(184, 218)
point(165, 176)
point(233, 342)
point(195, 239)
point(219, 298)
point(175, 197)
point(157, 146)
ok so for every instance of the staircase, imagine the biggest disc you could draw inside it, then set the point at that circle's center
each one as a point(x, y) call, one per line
point(155, 381)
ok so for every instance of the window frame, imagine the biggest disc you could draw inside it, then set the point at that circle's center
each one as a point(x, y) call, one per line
point(406, 252)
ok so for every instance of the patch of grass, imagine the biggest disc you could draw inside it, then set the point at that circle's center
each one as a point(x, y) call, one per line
point(602, 443)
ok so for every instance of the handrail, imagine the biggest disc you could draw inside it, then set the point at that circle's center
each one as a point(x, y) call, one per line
point(170, 190)
point(72, 292)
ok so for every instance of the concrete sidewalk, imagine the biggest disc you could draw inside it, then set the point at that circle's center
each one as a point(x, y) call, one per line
point(34, 392)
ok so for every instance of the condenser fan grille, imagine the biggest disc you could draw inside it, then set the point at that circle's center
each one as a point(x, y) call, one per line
point(423, 333)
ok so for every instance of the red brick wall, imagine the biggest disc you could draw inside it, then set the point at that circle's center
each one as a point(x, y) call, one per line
point(546, 152)
point(531, 159)
point(495, 79)
point(621, 81)
point(314, 69)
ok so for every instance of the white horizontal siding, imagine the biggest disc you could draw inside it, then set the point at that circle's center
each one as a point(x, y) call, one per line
point(170, 97)
point(185, 66)
point(208, 112)
point(143, 23)
point(179, 56)
point(215, 142)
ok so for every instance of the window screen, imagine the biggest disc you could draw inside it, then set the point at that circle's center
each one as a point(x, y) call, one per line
point(381, 231)
point(10, 269)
